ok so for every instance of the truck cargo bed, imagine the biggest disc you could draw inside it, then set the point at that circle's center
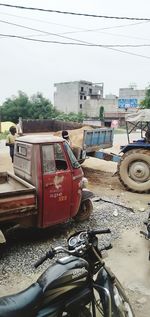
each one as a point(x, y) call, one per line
point(97, 139)
point(17, 197)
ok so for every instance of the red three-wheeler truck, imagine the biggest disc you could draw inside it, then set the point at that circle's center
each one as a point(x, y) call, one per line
point(47, 186)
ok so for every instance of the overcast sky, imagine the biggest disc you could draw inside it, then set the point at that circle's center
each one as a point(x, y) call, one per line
point(34, 66)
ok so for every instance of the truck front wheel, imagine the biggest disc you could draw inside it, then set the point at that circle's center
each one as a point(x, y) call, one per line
point(134, 170)
point(85, 210)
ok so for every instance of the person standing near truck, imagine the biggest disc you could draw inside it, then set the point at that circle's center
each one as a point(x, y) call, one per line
point(65, 136)
point(75, 149)
point(10, 141)
point(19, 128)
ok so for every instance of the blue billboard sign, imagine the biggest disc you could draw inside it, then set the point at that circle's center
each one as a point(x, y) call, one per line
point(127, 103)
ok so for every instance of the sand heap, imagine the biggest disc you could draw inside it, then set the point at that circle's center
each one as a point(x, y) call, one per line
point(6, 125)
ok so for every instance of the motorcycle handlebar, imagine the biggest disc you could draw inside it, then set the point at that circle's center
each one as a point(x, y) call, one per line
point(40, 261)
point(100, 231)
point(50, 254)
point(106, 247)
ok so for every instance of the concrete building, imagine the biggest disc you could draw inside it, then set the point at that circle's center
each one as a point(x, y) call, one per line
point(91, 107)
point(87, 97)
point(71, 96)
point(130, 98)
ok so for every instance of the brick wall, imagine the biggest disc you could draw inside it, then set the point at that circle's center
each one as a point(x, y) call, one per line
point(47, 125)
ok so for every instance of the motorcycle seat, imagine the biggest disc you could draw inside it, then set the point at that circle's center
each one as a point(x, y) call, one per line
point(22, 304)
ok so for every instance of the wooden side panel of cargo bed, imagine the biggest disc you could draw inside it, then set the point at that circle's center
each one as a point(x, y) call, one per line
point(17, 206)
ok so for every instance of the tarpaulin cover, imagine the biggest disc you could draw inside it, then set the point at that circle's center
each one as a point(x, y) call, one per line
point(140, 115)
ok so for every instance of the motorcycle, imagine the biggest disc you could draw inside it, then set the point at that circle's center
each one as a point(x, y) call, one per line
point(77, 285)
point(147, 234)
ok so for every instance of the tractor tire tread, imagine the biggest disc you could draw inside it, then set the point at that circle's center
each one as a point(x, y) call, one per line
point(136, 151)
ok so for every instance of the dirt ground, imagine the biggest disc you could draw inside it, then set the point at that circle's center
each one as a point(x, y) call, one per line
point(129, 256)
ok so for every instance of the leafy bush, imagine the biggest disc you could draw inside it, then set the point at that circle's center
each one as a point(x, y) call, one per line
point(146, 102)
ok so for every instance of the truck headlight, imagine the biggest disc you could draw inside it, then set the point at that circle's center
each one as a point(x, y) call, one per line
point(84, 182)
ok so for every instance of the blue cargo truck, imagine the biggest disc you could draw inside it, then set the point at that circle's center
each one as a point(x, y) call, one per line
point(134, 158)
point(94, 141)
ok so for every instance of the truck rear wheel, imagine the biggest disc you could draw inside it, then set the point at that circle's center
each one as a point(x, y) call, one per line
point(134, 170)
point(85, 210)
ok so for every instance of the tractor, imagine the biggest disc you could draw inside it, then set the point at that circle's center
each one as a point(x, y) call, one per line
point(134, 164)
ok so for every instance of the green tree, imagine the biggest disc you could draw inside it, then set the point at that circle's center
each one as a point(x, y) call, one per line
point(15, 107)
point(36, 107)
point(101, 113)
point(41, 108)
point(146, 102)
point(70, 117)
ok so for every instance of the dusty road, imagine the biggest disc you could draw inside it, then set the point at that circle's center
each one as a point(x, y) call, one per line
point(129, 256)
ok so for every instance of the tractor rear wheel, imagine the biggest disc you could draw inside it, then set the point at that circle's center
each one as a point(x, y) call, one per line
point(134, 170)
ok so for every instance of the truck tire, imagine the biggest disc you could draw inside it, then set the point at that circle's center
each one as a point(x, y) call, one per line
point(134, 170)
point(85, 211)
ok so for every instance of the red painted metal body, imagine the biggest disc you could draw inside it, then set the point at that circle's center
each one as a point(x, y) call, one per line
point(48, 165)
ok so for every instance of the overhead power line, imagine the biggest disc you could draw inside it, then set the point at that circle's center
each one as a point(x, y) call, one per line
point(61, 34)
point(73, 43)
point(74, 13)
point(79, 29)
point(83, 30)
point(77, 41)
point(111, 47)
point(41, 31)
point(48, 22)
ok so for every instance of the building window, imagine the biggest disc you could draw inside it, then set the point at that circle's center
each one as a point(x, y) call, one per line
point(81, 97)
point(84, 97)
point(90, 90)
point(80, 105)
point(82, 89)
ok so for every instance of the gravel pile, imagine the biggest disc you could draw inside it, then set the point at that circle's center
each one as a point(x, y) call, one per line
point(25, 247)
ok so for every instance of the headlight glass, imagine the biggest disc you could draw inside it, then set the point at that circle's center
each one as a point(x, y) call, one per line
point(84, 182)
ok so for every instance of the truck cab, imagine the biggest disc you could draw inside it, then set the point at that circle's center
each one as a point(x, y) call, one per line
point(53, 180)
point(48, 163)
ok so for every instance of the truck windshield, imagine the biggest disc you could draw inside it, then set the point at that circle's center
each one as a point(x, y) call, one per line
point(73, 160)
point(53, 158)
